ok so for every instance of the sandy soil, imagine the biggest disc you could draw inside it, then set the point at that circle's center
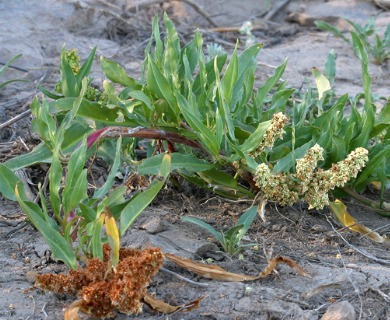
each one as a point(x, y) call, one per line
point(339, 271)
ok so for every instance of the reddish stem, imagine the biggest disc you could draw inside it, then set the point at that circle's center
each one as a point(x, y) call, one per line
point(140, 132)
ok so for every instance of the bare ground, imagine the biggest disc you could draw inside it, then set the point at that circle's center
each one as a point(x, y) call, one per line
point(343, 266)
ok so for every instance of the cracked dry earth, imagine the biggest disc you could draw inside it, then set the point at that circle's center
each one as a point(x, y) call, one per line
point(343, 266)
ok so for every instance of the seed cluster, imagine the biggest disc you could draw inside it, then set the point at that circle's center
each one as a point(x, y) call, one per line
point(308, 183)
point(274, 131)
point(105, 290)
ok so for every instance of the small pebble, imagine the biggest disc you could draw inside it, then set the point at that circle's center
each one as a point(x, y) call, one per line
point(340, 311)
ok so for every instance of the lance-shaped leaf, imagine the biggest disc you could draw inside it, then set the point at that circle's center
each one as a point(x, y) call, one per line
point(340, 212)
point(96, 241)
point(8, 184)
point(322, 82)
point(139, 202)
point(60, 248)
point(180, 162)
point(113, 236)
point(75, 189)
point(117, 74)
point(99, 193)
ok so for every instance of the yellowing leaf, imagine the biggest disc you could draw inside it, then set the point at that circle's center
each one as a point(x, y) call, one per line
point(340, 212)
point(113, 236)
point(322, 82)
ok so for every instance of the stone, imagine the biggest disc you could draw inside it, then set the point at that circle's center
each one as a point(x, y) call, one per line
point(153, 225)
point(340, 311)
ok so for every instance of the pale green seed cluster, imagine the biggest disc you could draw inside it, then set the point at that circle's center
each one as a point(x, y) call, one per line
point(274, 131)
point(308, 183)
point(73, 59)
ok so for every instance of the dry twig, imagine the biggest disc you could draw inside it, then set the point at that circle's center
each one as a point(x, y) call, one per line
point(147, 3)
point(16, 118)
point(362, 252)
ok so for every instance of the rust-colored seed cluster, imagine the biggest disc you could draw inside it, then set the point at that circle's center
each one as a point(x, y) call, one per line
point(103, 291)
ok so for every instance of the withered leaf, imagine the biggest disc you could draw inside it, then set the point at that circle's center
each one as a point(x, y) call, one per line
point(340, 212)
point(217, 273)
point(71, 312)
point(166, 308)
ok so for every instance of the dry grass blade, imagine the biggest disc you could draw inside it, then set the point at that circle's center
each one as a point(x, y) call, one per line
point(166, 308)
point(217, 273)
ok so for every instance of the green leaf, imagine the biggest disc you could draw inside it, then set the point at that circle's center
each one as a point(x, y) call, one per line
point(76, 194)
point(322, 25)
point(116, 197)
point(93, 110)
point(55, 177)
point(254, 139)
point(180, 162)
point(330, 66)
point(8, 184)
point(160, 86)
point(361, 53)
point(69, 85)
point(85, 69)
point(139, 95)
point(206, 136)
point(114, 72)
point(247, 218)
point(3, 84)
point(165, 168)
point(87, 213)
point(9, 62)
point(40, 154)
point(69, 117)
point(371, 167)
point(223, 106)
point(230, 77)
point(99, 193)
point(76, 182)
point(60, 248)
point(97, 248)
point(287, 162)
point(219, 180)
point(49, 94)
point(205, 226)
point(269, 84)
point(140, 201)
point(137, 204)
point(171, 53)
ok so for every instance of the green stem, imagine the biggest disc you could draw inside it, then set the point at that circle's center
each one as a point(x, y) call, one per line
point(383, 209)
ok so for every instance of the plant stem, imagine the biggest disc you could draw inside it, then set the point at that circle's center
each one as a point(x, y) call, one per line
point(383, 209)
point(141, 132)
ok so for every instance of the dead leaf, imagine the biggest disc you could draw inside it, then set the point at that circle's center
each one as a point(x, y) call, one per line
point(71, 312)
point(217, 273)
point(166, 308)
point(272, 263)
point(340, 212)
